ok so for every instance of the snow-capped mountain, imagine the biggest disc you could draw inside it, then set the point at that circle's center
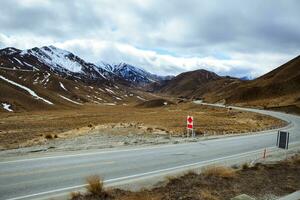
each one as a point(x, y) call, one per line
point(65, 63)
point(55, 60)
point(132, 74)
point(52, 78)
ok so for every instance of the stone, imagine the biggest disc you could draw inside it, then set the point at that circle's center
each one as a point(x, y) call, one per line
point(242, 197)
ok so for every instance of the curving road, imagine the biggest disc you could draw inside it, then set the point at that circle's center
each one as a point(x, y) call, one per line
point(59, 173)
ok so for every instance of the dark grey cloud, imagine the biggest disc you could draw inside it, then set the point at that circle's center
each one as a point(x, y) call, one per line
point(142, 31)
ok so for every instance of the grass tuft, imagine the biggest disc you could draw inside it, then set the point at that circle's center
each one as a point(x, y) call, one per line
point(219, 171)
point(49, 136)
point(75, 195)
point(207, 195)
point(245, 166)
point(95, 185)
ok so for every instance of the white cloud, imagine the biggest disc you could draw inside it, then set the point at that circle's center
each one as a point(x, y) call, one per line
point(23, 41)
point(93, 50)
point(239, 64)
point(233, 37)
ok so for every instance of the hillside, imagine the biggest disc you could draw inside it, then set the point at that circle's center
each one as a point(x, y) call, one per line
point(52, 78)
point(278, 89)
point(195, 84)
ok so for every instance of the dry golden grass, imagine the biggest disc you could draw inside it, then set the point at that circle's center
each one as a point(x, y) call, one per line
point(142, 195)
point(219, 171)
point(75, 195)
point(207, 195)
point(18, 129)
point(95, 185)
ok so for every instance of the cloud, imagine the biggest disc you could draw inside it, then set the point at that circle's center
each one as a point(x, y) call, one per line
point(229, 37)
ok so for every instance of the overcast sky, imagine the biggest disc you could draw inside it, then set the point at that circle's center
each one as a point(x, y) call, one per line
point(231, 37)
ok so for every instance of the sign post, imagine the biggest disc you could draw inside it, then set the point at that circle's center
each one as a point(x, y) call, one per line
point(283, 138)
point(190, 126)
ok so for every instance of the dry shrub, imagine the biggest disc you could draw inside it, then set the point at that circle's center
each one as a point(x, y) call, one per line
point(219, 171)
point(49, 136)
point(170, 178)
point(90, 125)
point(296, 159)
point(207, 195)
point(95, 190)
point(95, 185)
point(75, 195)
point(149, 129)
point(245, 166)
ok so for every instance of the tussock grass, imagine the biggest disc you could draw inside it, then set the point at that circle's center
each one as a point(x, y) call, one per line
point(171, 178)
point(75, 195)
point(219, 171)
point(95, 190)
point(49, 136)
point(95, 185)
point(207, 195)
point(246, 166)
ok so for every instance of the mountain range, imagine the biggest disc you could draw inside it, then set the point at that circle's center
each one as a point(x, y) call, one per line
point(64, 79)
point(32, 78)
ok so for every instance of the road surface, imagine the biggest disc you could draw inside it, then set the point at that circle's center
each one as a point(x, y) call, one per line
point(44, 176)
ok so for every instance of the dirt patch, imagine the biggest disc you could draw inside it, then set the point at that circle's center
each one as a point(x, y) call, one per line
point(30, 128)
point(261, 181)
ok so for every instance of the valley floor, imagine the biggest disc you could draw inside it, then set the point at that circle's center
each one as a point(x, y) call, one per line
point(100, 126)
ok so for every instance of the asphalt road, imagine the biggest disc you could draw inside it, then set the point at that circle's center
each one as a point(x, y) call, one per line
point(29, 178)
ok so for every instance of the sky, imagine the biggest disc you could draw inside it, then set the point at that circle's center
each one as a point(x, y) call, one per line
point(232, 37)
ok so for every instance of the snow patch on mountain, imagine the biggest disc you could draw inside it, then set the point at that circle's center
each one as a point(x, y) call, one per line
point(70, 100)
point(7, 106)
point(55, 57)
point(31, 92)
point(140, 98)
point(131, 73)
point(62, 86)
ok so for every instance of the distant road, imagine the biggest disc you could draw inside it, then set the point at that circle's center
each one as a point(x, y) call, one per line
point(49, 174)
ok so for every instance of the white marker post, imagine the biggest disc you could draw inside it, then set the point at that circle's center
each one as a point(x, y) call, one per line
point(190, 125)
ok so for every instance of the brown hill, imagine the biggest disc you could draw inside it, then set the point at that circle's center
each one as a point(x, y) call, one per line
point(277, 89)
point(196, 84)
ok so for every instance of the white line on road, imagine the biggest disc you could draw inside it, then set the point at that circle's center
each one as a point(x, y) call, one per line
point(201, 163)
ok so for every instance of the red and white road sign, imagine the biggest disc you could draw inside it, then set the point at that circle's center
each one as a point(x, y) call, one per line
point(190, 122)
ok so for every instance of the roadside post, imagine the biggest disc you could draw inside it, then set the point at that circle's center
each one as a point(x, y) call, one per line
point(265, 153)
point(190, 126)
point(283, 138)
